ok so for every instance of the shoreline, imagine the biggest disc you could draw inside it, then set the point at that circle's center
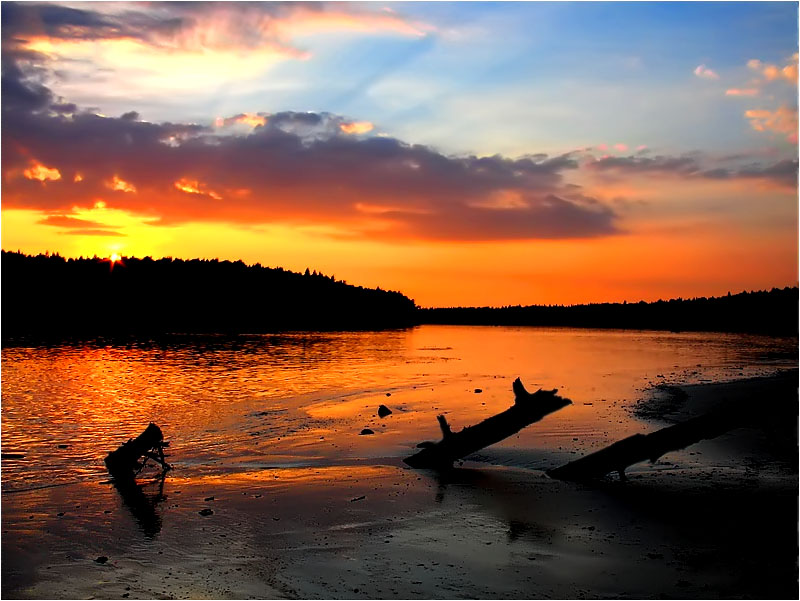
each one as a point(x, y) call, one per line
point(716, 520)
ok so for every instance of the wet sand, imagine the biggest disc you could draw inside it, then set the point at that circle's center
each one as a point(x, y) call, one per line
point(716, 520)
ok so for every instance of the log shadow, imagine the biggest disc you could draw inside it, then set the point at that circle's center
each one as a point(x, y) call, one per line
point(142, 503)
point(496, 495)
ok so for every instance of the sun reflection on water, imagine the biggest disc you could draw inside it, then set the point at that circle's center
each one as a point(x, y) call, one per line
point(301, 399)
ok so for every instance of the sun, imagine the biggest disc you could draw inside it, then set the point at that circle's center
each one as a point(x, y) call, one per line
point(114, 258)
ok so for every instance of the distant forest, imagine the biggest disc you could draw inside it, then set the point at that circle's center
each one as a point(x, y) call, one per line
point(48, 296)
point(773, 312)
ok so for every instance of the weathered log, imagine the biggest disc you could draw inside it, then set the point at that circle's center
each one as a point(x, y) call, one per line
point(642, 447)
point(527, 409)
point(125, 461)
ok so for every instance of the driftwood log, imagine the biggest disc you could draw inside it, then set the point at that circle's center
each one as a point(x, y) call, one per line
point(527, 409)
point(642, 447)
point(125, 461)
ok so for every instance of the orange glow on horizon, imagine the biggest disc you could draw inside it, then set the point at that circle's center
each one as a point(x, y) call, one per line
point(42, 173)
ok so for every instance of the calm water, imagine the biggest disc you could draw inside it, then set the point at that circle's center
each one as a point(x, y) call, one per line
point(231, 404)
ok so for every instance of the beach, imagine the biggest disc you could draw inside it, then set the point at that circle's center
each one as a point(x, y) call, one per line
point(718, 519)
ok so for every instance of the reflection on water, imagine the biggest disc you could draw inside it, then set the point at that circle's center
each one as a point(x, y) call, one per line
point(227, 404)
point(141, 499)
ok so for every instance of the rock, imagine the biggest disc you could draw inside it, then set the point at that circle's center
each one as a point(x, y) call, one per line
point(383, 411)
point(359, 498)
point(366, 431)
point(206, 511)
point(388, 394)
point(101, 559)
point(208, 499)
point(478, 390)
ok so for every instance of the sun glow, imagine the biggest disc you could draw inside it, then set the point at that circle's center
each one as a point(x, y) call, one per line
point(114, 258)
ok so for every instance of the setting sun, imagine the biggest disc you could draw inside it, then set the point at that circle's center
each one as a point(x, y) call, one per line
point(114, 258)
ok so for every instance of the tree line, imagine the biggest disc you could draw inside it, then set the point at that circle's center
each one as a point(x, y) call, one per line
point(48, 295)
point(773, 312)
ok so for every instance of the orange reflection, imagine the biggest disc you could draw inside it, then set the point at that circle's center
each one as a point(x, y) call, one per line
point(301, 400)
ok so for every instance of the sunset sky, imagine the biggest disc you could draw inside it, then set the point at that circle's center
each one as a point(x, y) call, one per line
point(462, 153)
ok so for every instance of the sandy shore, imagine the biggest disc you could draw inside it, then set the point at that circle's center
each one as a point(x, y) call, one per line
point(716, 520)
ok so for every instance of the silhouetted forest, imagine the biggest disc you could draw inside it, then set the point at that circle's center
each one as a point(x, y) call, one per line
point(50, 296)
point(773, 312)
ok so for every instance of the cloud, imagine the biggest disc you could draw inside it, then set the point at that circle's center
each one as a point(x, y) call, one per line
point(88, 52)
point(741, 92)
point(296, 168)
point(40, 172)
point(357, 127)
point(783, 121)
point(705, 73)
point(249, 119)
point(772, 72)
point(194, 26)
point(76, 226)
point(71, 222)
point(92, 232)
point(781, 173)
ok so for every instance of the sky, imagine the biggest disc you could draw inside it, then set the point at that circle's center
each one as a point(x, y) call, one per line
point(461, 153)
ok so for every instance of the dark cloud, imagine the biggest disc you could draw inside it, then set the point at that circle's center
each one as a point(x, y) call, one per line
point(299, 167)
point(783, 173)
point(644, 164)
point(34, 19)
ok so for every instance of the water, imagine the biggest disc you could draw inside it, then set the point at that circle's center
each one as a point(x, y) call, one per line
point(234, 404)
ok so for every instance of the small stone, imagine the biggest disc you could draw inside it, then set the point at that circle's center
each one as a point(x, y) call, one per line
point(478, 391)
point(101, 559)
point(206, 511)
point(208, 499)
point(383, 411)
point(366, 431)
